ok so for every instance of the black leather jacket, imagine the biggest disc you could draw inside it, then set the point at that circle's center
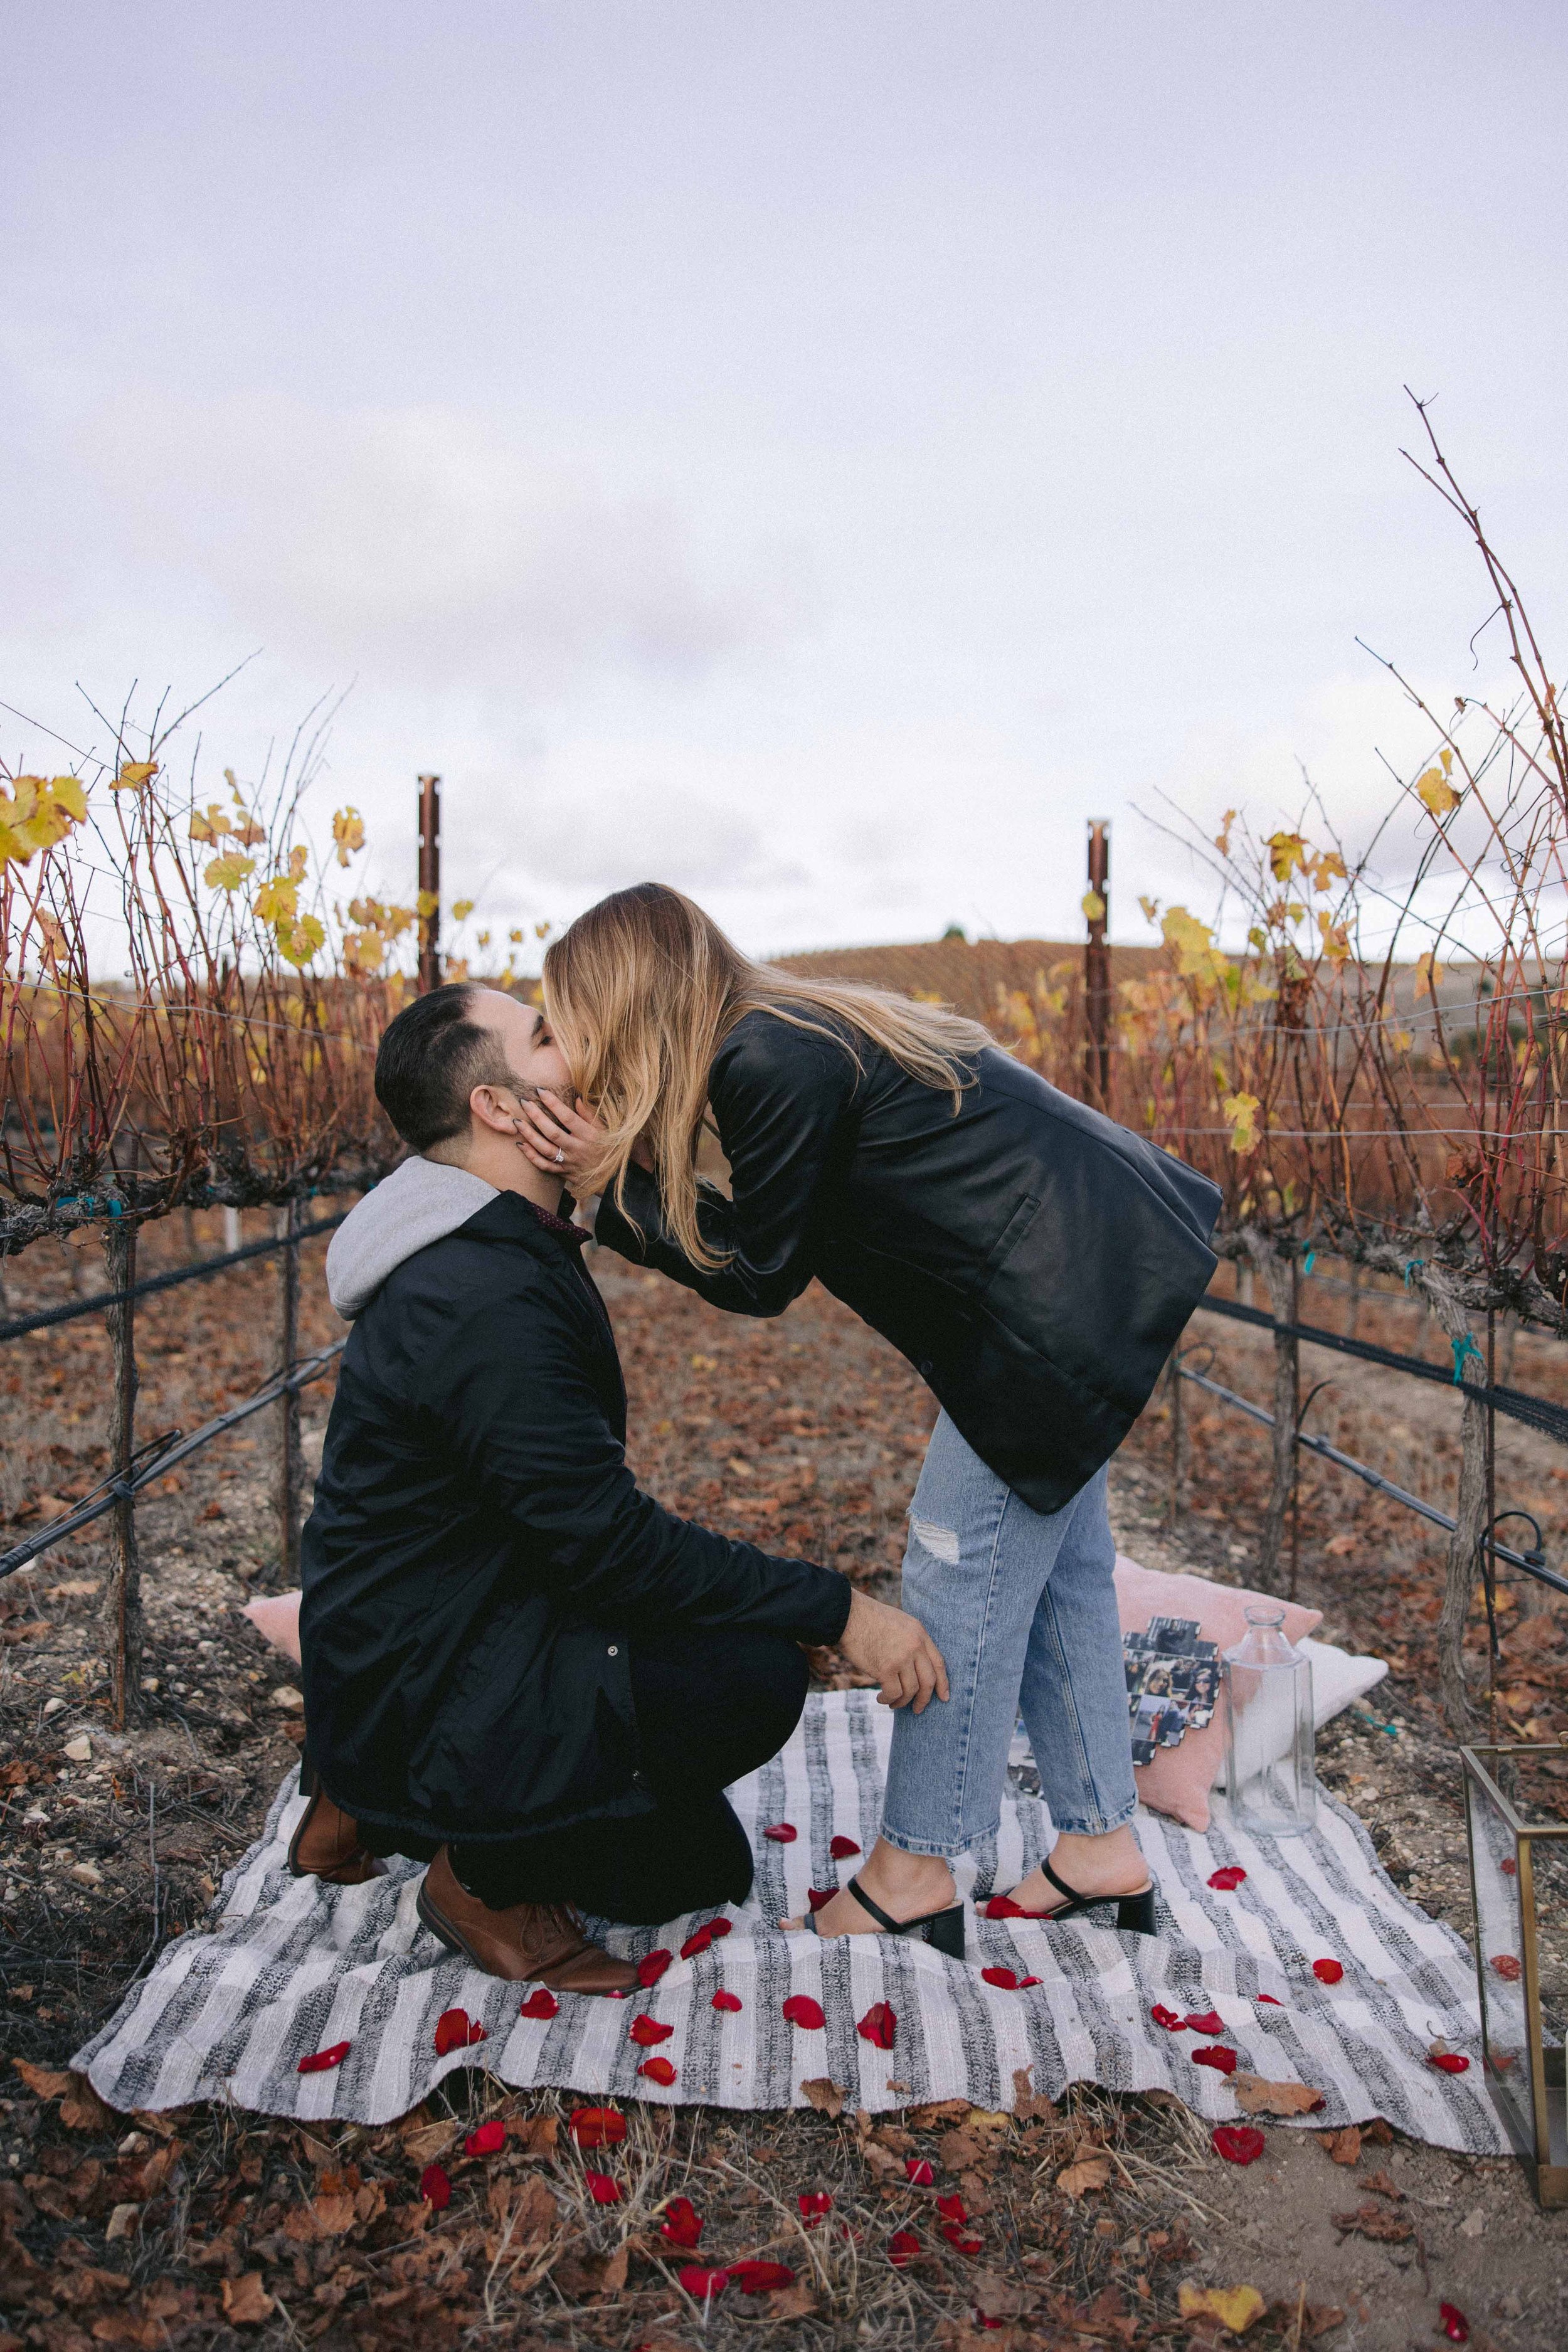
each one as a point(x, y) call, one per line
point(480, 1555)
point(1035, 1261)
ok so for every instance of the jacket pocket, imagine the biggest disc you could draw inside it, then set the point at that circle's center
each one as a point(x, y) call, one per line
point(1012, 1236)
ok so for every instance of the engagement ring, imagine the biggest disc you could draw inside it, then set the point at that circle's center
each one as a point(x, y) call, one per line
point(559, 1156)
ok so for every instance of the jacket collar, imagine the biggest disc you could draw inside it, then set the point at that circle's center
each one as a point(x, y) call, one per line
point(511, 1218)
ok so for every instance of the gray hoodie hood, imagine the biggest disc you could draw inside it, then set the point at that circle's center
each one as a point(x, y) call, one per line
point(418, 1203)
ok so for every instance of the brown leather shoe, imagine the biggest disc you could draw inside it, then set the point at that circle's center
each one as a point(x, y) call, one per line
point(541, 1942)
point(327, 1845)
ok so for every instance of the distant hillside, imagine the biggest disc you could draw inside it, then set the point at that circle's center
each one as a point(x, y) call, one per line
point(965, 973)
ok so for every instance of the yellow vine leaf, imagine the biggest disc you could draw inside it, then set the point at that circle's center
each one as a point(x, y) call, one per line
point(1327, 867)
point(209, 824)
point(131, 779)
point(68, 793)
point(348, 834)
point(278, 901)
point(1435, 793)
point(543, 930)
point(36, 815)
point(1093, 907)
point(516, 938)
point(298, 942)
point(427, 904)
point(1197, 958)
point(1236, 2308)
point(1428, 975)
point(1222, 838)
point(228, 873)
point(461, 909)
point(249, 834)
point(1285, 851)
point(1241, 1113)
point(1150, 909)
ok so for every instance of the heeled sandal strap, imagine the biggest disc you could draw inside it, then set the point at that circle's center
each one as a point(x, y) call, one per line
point(885, 1920)
point(1063, 1888)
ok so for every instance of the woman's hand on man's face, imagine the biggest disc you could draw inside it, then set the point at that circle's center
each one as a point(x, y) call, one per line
point(560, 1138)
point(565, 1141)
point(896, 1649)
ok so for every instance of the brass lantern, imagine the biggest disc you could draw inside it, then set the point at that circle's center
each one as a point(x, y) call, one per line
point(1519, 1868)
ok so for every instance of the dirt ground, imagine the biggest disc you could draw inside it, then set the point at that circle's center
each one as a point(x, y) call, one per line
point(208, 2229)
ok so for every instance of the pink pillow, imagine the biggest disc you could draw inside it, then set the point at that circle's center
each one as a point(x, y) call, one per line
point(276, 1616)
point(1179, 1779)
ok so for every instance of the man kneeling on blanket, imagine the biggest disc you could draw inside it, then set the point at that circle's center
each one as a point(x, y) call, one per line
point(518, 1668)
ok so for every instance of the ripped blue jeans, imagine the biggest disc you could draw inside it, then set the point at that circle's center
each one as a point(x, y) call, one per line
point(1022, 1605)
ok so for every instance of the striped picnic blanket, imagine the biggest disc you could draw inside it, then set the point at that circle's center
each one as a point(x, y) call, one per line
point(289, 1968)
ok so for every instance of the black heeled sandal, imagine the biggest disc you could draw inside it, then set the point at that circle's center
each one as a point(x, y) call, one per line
point(942, 1930)
point(1135, 1913)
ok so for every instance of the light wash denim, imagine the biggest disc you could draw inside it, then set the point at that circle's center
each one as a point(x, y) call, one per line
point(1022, 1605)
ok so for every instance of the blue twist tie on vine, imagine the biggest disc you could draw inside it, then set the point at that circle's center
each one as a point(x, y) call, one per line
point(1463, 1350)
point(1308, 1261)
point(1415, 1266)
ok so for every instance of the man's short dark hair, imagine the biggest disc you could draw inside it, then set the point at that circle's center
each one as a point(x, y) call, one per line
point(431, 1059)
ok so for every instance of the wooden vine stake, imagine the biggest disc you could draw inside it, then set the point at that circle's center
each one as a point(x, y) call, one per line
point(1280, 1273)
point(288, 1478)
point(1470, 1511)
point(123, 1593)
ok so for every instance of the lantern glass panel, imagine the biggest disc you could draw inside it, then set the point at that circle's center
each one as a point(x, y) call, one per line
point(1500, 1959)
point(1519, 1867)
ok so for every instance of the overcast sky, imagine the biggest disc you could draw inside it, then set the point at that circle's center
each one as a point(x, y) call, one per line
point(819, 454)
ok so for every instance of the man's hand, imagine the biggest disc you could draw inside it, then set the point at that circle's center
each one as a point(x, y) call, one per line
point(898, 1650)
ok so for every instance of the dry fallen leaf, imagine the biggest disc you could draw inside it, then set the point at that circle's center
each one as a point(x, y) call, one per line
point(246, 2302)
point(1370, 2221)
point(1028, 2105)
point(996, 2296)
point(533, 2135)
point(1089, 2172)
point(824, 2094)
point(81, 2110)
point(1235, 2307)
point(424, 2145)
point(1344, 2146)
point(794, 2302)
point(942, 2111)
point(1258, 2097)
point(43, 2080)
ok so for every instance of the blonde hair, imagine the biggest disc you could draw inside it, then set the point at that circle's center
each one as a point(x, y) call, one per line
point(643, 990)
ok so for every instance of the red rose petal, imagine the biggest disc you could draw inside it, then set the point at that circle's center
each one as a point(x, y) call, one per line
point(702, 2284)
point(814, 2205)
point(1510, 1868)
point(1238, 2143)
point(841, 1848)
point(651, 1967)
point(1455, 2325)
point(719, 1927)
point(761, 2278)
point(782, 1833)
point(602, 2189)
point(454, 2030)
point(1327, 1971)
point(647, 2032)
point(1509, 1965)
point(957, 2241)
point(817, 1896)
point(1025, 1982)
point(727, 2001)
point(1270, 1999)
point(918, 2171)
point(658, 2070)
point(485, 2138)
point(683, 2224)
point(902, 2247)
point(1450, 2060)
point(1002, 1906)
point(597, 2126)
point(802, 2011)
point(435, 2187)
point(878, 2025)
point(697, 1941)
point(1229, 1879)
point(1218, 2056)
point(1005, 1979)
point(1168, 2019)
point(542, 2003)
point(321, 2062)
point(1211, 2021)
point(952, 2209)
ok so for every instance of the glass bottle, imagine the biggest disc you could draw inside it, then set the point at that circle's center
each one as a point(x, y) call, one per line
point(1269, 1729)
